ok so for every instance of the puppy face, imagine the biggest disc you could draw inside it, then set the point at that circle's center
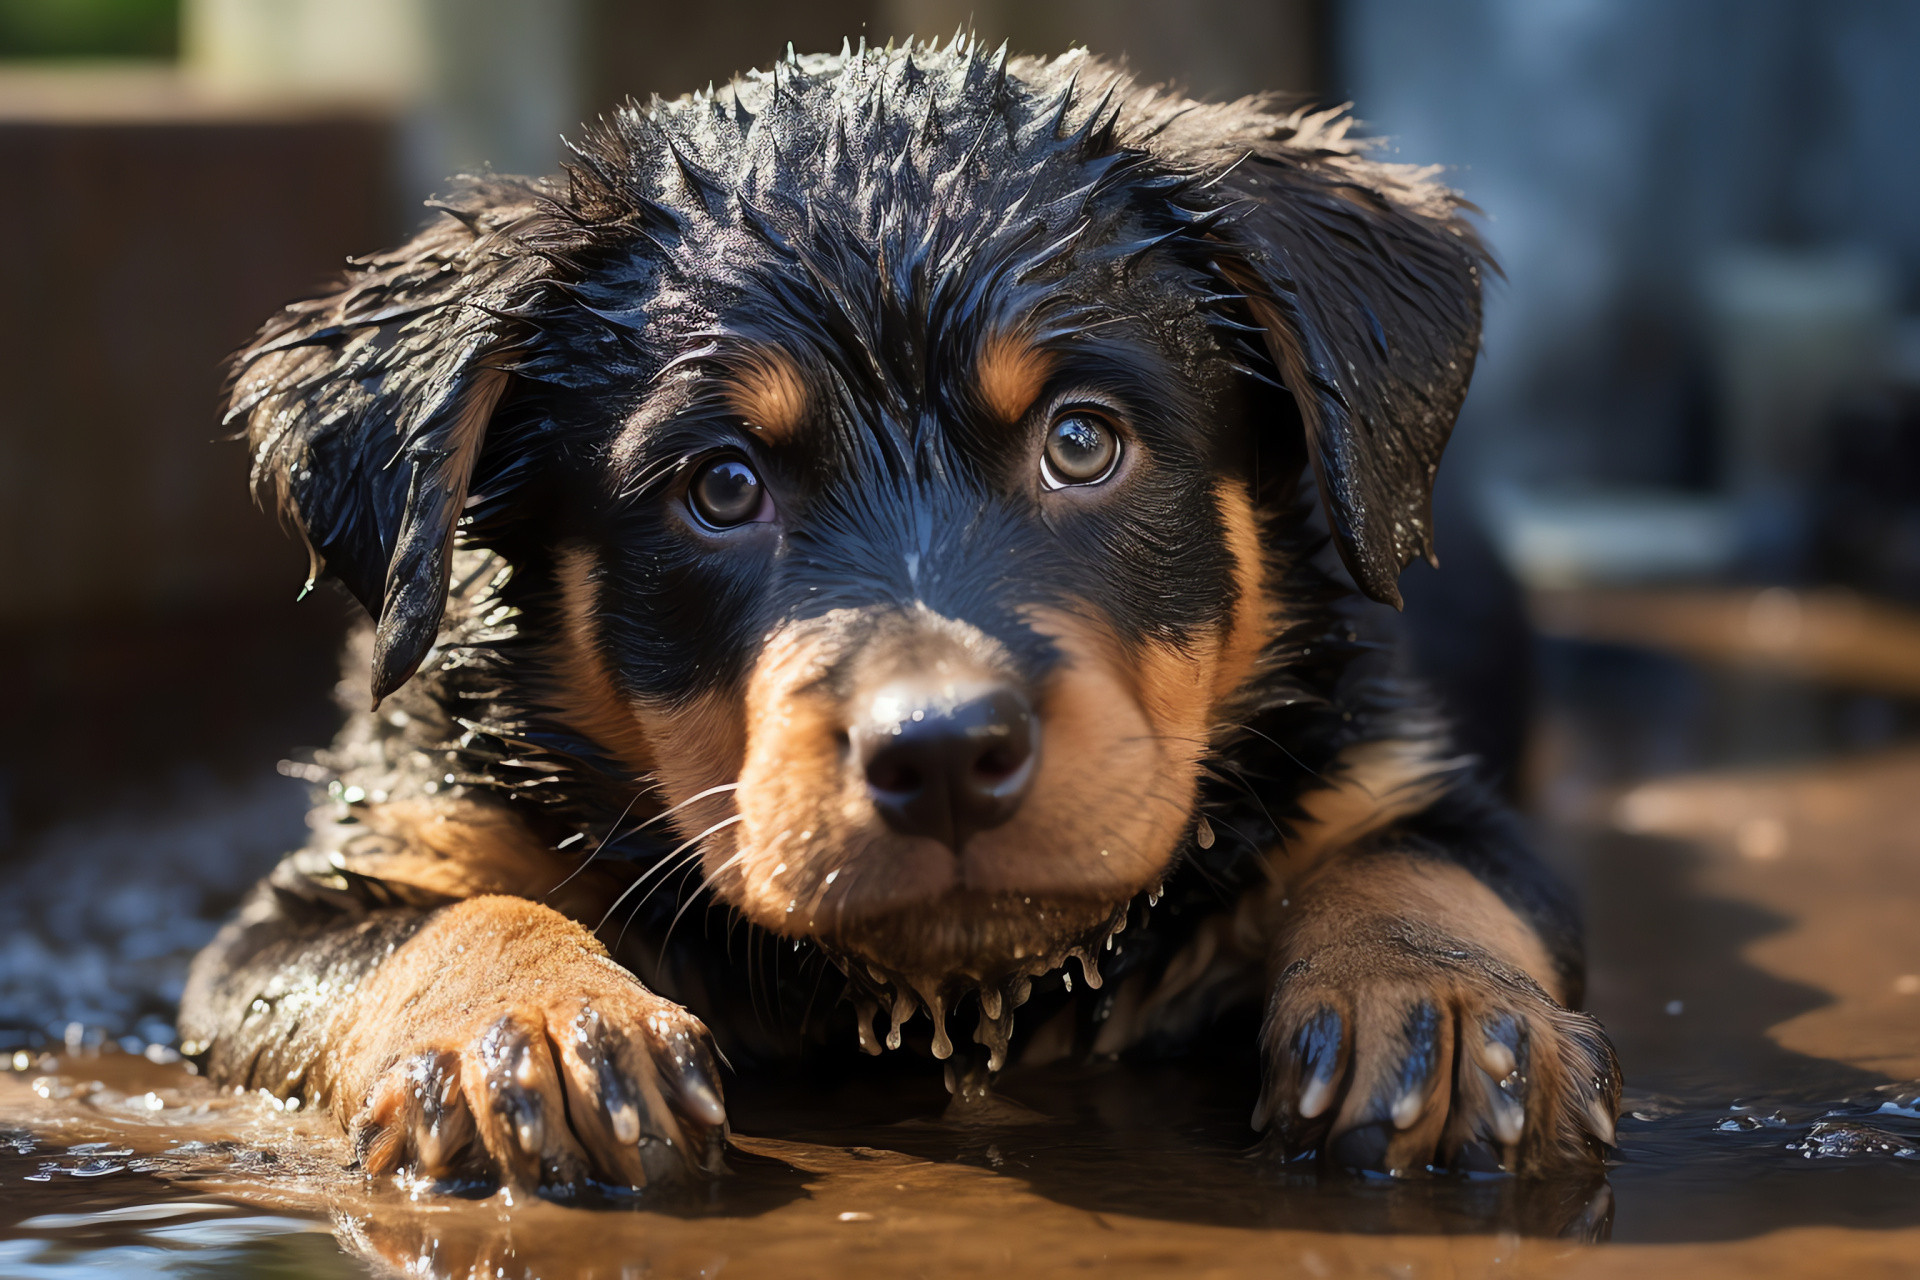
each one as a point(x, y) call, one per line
point(880, 445)
point(955, 632)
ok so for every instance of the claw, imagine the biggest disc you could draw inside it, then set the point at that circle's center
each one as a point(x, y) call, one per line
point(1508, 1104)
point(1416, 1069)
point(1317, 1044)
point(626, 1122)
point(703, 1102)
point(1600, 1121)
point(513, 1072)
point(1501, 1049)
point(526, 1072)
point(622, 1114)
point(685, 1069)
point(529, 1129)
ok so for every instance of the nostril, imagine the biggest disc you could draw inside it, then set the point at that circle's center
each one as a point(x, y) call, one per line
point(999, 763)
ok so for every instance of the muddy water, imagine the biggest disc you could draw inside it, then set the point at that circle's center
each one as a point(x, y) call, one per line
point(1756, 954)
point(130, 1168)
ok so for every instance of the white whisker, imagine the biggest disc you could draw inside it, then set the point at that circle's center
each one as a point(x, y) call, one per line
point(706, 882)
point(724, 822)
point(614, 833)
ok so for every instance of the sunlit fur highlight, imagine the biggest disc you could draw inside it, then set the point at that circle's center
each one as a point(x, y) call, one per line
point(1011, 373)
point(767, 389)
point(581, 688)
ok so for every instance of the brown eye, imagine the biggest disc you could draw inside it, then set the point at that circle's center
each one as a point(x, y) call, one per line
point(726, 492)
point(1082, 448)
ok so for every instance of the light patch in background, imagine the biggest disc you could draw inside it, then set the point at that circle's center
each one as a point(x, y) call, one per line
point(476, 83)
point(1566, 537)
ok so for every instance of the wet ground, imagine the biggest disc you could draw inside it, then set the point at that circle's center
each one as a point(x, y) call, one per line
point(1748, 844)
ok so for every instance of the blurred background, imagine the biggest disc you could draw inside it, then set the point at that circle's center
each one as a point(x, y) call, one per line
point(1690, 462)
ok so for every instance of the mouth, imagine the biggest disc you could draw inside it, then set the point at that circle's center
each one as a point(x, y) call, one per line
point(991, 946)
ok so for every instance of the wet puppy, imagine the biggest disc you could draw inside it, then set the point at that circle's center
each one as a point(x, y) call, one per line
point(879, 509)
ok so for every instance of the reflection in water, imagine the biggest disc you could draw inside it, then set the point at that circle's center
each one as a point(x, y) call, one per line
point(1166, 1142)
point(1126, 1164)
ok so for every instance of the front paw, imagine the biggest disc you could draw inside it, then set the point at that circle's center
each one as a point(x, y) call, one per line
point(1400, 1049)
point(567, 1069)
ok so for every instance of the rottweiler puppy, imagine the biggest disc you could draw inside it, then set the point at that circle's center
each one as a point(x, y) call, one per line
point(872, 520)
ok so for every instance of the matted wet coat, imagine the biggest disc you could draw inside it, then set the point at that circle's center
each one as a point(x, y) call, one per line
point(848, 565)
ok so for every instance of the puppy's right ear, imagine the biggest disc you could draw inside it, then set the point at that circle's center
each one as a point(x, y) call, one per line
point(366, 409)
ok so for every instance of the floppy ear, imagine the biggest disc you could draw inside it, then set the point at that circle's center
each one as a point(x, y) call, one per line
point(366, 409)
point(1367, 284)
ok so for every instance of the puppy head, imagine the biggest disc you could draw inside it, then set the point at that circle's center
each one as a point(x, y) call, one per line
point(891, 432)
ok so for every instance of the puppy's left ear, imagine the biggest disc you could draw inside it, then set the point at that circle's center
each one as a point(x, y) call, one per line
point(1367, 284)
point(366, 409)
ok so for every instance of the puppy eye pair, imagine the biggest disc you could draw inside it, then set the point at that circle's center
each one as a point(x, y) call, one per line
point(1082, 448)
point(727, 493)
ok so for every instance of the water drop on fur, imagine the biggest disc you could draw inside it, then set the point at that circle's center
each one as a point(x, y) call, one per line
point(901, 1011)
point(864, 1012)
point(937, 1009)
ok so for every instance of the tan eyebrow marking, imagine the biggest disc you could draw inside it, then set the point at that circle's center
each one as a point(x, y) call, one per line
point(1011, 374)
point(768, 391)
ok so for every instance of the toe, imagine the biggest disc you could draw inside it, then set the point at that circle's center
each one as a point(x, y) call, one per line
point(520, 1107)
point(683, 1057)
point(1319, 1052)
point(1490, 1094)
point(416, 1118)
point(1306, 1072)
point(603, 1103)
point(1393, 1116)
point(443, 1130)
point(1536, 1084)
point(643, 1093)
point(379, 1132)
point(685, 1066)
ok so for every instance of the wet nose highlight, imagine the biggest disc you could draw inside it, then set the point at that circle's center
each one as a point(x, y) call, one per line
point(948, 762)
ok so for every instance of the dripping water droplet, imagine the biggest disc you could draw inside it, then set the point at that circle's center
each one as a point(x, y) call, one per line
point(937, 1010)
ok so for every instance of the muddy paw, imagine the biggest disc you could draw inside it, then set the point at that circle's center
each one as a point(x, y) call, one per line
point(1405, 1050)
point(540, 1066)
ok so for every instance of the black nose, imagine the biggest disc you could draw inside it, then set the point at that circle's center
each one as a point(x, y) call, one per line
point(945, 763)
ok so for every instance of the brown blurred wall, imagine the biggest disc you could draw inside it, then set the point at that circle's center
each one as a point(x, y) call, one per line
point(147, 616)
point(146, 235)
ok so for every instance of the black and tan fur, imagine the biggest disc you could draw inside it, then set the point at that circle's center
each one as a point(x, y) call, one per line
point(593, 718)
